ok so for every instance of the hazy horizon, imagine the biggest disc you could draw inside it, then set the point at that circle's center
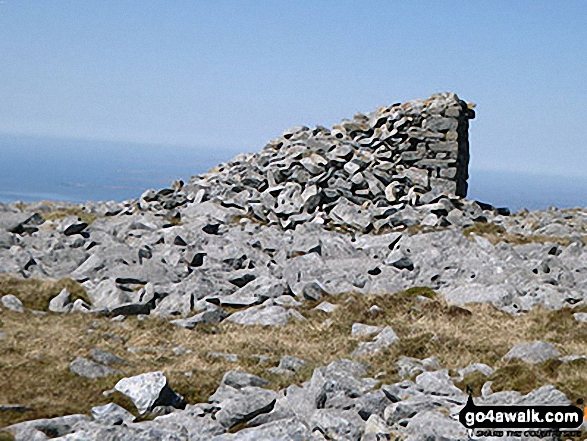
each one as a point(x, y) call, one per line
point(222, 78)
point(74, 170)
point(233, 73)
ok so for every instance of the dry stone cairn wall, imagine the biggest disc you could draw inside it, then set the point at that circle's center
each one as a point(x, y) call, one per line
point(356, 175)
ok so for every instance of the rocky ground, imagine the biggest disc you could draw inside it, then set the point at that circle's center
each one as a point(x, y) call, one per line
point(326, 288)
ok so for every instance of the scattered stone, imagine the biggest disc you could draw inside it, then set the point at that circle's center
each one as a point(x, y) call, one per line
point(360, 330)
point(326, 307)
point(87, 368)
point(316, 213)
point(112, 414)
point(75, 228)
point(238, 380)
point(533, 353)
point(233, 358)
point(404, 263)
point(61, 302)
point(106, 358)
point(265, 316)
point(210, 316)
point(383, 340)
point(581, 317)
point(291, 363)
point(148, 391)
point(12, 303)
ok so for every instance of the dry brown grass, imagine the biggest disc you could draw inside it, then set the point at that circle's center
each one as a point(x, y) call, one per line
point(36, 294)
point(55, 211)
point(62, 213)
point(496, 233)
point(35, 355)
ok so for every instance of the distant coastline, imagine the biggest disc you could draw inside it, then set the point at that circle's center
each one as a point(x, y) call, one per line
point(36, 169)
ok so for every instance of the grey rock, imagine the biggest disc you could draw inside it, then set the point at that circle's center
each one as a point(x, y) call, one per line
point(372, 403)
point(264, 316)
point(291, 363)
point(376, 429)
point(112, 414)
point(280, 372)
point(106, 358)
point(289, 429)
point(335, 424)
point(80, 306)
point(580, 317)
point(247, 404)
point(148, 391)
point(108, 295)
point(435, 425)
point(130, 308)
point(313, 291)
point(383, 340)
point(239, 379)
point(533, 353)
point(61, 302)
point(210, 316)
point(409, 367)
point(37, 429)
point(87, 368)
point(12, 303)
point(545, 395)
point(475, 367)
point(326, 307)
point(360, 330)
point(437, 383)
point(233, 358)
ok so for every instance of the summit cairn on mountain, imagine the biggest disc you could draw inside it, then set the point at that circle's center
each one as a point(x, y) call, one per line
point(357, 174)
point(332, 256)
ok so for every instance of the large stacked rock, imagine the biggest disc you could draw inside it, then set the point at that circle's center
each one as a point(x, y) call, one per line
point(356, 175)
point(295, 220)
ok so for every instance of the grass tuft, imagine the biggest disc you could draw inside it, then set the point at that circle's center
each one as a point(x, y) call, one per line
point(36, 293)
point(496, 233)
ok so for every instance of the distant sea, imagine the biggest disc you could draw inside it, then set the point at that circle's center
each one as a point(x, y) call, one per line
point(33, 169)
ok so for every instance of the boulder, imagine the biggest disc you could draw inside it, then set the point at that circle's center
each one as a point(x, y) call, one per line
point(148, 391)
point(89, 369)
point(533, 353)
point(12, 303)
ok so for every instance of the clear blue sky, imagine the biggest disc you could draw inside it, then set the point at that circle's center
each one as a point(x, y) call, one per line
point(234, 74)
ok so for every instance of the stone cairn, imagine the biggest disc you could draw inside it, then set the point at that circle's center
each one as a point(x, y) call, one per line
point(358, 174)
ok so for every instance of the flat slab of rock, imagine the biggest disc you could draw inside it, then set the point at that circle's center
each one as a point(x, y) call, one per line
point(533, 353)
point(105, 357)
point(437, 383)
point(326, 307)
point(209, 316)
point(383, 340)
point(239, 379)
point(264, 316)
point(360, 330)
point(112, 414)
point(250, 402)
point(148, 391)
point(289, 429)
point(89, 369)
point(291, 363)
